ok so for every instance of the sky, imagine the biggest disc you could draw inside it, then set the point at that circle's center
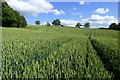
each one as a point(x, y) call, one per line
point(99, 14)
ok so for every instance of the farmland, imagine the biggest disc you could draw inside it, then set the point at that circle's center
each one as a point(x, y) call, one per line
point(59, 52)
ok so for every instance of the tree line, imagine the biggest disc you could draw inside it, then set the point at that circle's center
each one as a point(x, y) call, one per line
point(86, 25)
point(0, 14)
point(12, 18)
point(114, 26)
point(57, 22)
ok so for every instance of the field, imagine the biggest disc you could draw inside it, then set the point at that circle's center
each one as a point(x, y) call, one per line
point(60, 52)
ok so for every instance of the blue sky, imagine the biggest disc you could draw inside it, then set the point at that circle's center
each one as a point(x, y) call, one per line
point(99, 14)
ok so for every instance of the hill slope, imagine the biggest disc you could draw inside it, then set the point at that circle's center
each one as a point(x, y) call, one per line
point(59, 52)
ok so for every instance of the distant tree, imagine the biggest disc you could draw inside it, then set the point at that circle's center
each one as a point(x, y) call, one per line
point(62, 25)
point(48, 24)
point(0, 14)
point(118, 26)
point(87, 25)
point(56, 22)
point(78, 25)
point(113, 26)
point(37, 22)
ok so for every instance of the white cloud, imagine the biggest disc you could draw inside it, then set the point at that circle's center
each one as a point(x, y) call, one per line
point(102, 10)
point(72, 23)
point(56, 12)
point(82, 2)
point(68, 22)
point(33, 7)
point(95, 21)
point(105, 21)
point(43, 23)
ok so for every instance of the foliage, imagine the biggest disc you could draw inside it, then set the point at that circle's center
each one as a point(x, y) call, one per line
point(0, 14)
point(11, 18)
point(56, 22)
point(37, 22)
point(87, 25)
point(62, 25)
point(118, 26)
point(78, 25)
point(114, 26)
point(48, 24)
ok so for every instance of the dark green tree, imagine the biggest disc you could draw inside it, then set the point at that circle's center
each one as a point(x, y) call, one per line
point(62, 25)
point(87, 25)
point(11, 18)
point(118, 26)
point(22, 21)
point(0, 14)
point(48, 24)
point(113, 26)
point(37, 22)
point(8, 16)
point(56, 22)
point(78, 25)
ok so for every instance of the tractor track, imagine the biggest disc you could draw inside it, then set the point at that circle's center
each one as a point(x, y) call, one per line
point(106, 62)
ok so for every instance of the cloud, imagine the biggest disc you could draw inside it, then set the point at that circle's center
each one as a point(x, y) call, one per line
point(43, 23)
point(56, 12)
point(95, 21)
point(107, 19)
point(33, 7)
point(104, 21)
point(102, 10)
point(71, 23)
point(82, 2)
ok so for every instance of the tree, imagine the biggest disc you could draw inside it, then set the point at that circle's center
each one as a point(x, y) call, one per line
point(0, 14)
point(23, 22)
point(8, 16)
point(20, 20)
point(56, 22)
point(62, 25)
point(11, 18)
point(113, 26)
point(87, 25)
point(78, 25)
point(48, 24)
point(118, 26)
point(37, 22)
